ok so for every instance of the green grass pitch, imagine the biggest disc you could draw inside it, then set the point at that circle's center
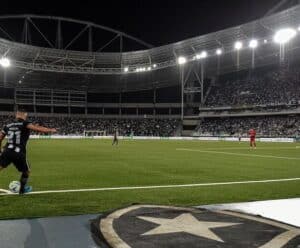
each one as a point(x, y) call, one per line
point(82, 164)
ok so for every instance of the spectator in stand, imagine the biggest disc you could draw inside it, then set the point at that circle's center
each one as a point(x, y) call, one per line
point(265, 126)
point(125, 127)
point(280, 86)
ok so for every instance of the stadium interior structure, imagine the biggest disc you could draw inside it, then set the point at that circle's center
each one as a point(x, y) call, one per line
point(222, 83)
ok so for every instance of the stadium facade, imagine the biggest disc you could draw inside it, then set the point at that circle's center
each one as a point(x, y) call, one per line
point(56, 78)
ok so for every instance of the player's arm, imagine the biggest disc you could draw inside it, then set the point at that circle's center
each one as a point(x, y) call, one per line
point(41, 129)
point(2, 136)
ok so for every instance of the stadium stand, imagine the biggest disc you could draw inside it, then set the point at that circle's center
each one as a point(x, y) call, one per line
point(125, 127)
point(265, 86)
point(265, 126)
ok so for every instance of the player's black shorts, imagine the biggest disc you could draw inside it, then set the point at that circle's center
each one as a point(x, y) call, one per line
point(17, 158)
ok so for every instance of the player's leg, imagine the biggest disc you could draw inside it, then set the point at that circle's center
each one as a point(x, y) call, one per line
point(4, 160)
point(22, 165)
point(23, 181)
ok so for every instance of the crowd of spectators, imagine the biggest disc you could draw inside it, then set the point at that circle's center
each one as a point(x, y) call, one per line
point(126, 127)
point(265, 126)
point(268, 86)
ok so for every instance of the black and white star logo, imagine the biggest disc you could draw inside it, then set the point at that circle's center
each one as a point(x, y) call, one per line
point(150, 226)
point(186, 223)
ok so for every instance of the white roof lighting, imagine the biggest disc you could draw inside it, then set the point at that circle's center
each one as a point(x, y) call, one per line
point(284, 35)
point(155, 65)
point(265, 41)
point(4, 62)
point(203, 54)
point(299, 28)
point(238, 45)
point(149, 68)
point(219, 51)
point(181, 60)
point(126, 69)
point(253, 44)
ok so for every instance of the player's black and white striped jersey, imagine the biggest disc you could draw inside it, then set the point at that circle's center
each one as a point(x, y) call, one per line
point(17, 135)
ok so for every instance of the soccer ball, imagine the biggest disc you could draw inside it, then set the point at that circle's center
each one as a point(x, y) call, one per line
point(14, 186)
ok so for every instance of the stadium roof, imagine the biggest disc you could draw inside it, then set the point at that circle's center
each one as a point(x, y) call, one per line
point(162, 59)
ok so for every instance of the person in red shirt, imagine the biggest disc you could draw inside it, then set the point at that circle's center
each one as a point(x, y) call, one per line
point(252, 134)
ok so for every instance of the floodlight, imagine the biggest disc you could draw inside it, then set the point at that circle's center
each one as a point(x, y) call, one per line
point(181, 60)
point(284, 35)
point(253, 44)
point(149, 68)
point(238, 45)
point(203, 54)
point(126, 69)
point(219, 51)
point(299, 28)
point(155, 65)
point(4, 62)
point(265, 41)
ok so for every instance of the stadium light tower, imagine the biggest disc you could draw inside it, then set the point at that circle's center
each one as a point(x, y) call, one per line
point(201, 55)
point(283, 36)
point(238, 45)
point(181, 60)
point(253, 44)
point(219, 51)
point(4, 62)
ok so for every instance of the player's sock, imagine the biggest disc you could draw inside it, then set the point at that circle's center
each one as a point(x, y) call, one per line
point(23, 182)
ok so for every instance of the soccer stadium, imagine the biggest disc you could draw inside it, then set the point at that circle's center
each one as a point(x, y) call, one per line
point(193, 143)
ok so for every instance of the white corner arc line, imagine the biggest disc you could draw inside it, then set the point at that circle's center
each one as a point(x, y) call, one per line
point(5, 191)
point(237, 154)
point(160, 186)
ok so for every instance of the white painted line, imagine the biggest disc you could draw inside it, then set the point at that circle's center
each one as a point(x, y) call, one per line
point(5, 191)
point(237, 154)
point(161, 186)
point(248, 148)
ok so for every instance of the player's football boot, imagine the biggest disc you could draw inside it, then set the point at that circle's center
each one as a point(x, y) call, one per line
point(26, 190)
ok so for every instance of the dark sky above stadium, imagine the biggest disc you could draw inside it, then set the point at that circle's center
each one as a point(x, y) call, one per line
point(156, 22)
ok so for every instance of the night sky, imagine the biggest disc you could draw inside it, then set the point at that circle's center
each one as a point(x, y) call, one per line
point(156, 22)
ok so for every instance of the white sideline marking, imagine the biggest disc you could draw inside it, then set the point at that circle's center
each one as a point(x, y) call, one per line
point(237, 154)
point(160, 186)
point(248, 148)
